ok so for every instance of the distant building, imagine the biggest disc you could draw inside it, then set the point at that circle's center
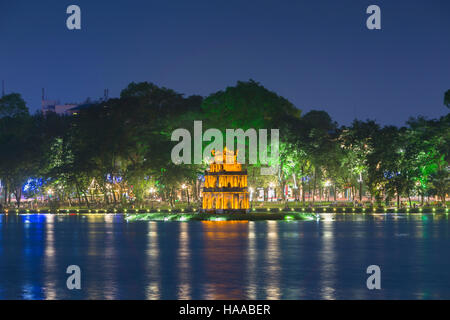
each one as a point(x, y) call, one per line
point(68, 108)
point(78, 108)
point(48, 106)
point(56, 107)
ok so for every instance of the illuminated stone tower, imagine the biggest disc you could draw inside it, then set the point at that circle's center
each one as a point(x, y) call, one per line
point(225, 189)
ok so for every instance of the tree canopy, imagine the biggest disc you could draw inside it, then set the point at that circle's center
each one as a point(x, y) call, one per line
point(118, 152)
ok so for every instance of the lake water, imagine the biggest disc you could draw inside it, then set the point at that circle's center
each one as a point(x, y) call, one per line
point(324, 259)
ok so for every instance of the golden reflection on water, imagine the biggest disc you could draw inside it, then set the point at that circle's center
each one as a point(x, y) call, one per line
point(251, 262)
point(153, 287)
point(110, 287)
point(184, 271)
point(92, 220)
point(327, 261)
point(223, 252)
point(49, 258)
point(273, 268)
point(109, 218)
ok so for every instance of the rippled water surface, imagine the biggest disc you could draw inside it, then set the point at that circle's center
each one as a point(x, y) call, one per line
point(324, 259)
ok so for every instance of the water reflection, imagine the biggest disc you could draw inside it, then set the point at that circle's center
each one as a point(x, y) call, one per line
point(34, 242)
point(184, 270)
point(110, 260)
point(224, 252)
point(273, 268)
point(327, 261)
point(324, 259)
point(153, 269)
point(95, 251)
point(50, 259)
point(251, 262)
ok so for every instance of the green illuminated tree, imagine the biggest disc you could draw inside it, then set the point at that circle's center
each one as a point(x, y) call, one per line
point(447, 99)
point(356, 140)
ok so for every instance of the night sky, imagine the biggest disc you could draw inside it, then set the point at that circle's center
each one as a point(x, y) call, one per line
point(318, 54)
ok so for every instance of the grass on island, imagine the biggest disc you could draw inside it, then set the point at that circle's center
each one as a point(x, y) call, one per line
point(254, 216)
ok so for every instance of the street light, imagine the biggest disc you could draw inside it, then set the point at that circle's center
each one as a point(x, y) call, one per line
point(184, 187)
point(49, 193)
point(327, 186)
point(152, 191)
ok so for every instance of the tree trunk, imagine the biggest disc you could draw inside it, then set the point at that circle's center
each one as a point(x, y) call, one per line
point(79, 196)
point(6, 194)
point(303, 192)
point(86, 199)
point(18, 196)
point(314, 188)
point(360, 191)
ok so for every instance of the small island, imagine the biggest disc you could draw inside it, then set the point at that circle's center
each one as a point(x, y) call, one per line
point(254, 216)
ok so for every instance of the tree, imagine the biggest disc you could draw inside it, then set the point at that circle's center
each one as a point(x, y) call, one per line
point(318, 139)
point(356, 140)
point(116, 151)
point(246, 105)
point(250, 105)
point(447, 98)
point(429, 142)
point(19, 143)
point(440, 184)
point(12, 106)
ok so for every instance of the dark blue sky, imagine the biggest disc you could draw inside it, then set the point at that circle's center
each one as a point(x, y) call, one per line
point(318, 54)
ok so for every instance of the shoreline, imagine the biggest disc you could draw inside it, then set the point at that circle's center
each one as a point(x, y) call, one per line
point(268, 211)
point(252, 216)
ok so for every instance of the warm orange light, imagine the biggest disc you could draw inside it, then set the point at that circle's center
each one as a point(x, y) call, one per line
point(225, 184)
point(224, 222)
